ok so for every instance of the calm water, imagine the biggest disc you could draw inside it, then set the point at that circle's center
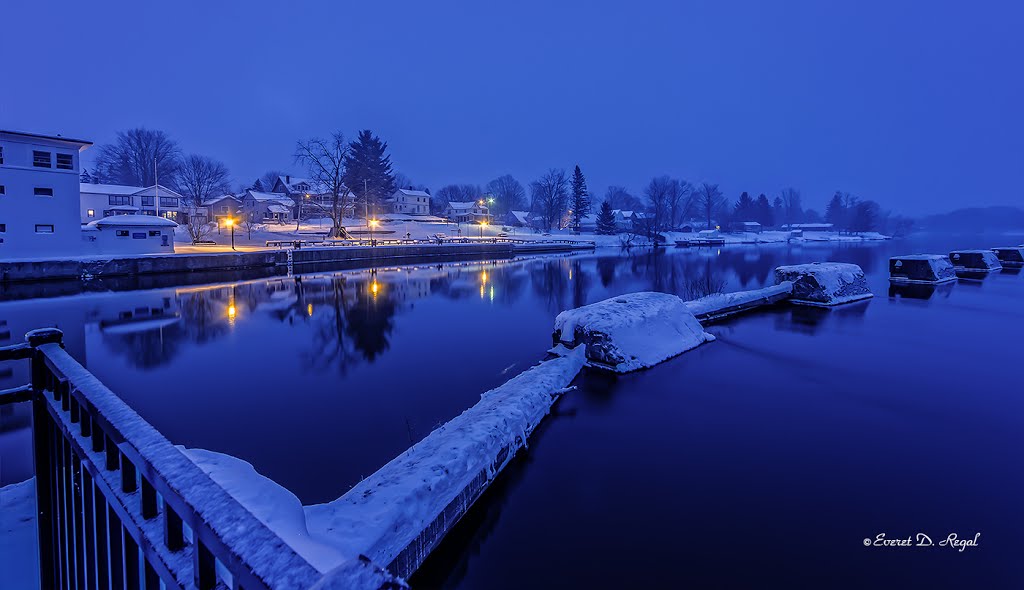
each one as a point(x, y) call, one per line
point(763, 458)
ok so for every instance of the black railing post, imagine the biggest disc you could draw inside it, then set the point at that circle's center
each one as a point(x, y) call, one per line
point(41, 454)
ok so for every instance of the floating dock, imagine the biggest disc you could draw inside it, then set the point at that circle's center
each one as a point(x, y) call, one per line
point(975, 261)
point(926, 269)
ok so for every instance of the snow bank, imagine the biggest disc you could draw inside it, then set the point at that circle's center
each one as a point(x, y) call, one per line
point(724, 304)
point(921, 268)
point(19, 563)
point(269, 502)
point(824, 283)
point(631, 332)
point(984, 260)
point(386, 512)
point(1010, 255)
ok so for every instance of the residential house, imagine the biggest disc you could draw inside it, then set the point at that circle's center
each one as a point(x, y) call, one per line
point(628, 220)
point(467, 212)
point(223, 207)
point(516, 219)
point(745, 226)
point(97, 201)
point(409, 202)
point(39, 194)
point(268, 207)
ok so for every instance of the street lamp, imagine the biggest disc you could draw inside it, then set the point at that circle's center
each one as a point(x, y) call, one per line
point(482, 224)
point(372, 223)
point(231, 223)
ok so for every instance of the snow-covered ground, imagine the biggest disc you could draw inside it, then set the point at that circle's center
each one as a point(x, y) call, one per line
point(315, 228)
point(19, 564)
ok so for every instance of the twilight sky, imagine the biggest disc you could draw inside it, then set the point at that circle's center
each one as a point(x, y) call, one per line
point(917, 105)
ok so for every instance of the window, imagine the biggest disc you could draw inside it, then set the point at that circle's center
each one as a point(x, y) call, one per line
point(118, 200)
point(149, 212)
point(91, 213)
point(43, 191)
point(148, 201)
point(139, 235)
point(3, 190)
point(168, 202)
point(42, 228)
point(1, 154)
point(121, 233)
point(172, 215)
point(3, 228)
point(41, 159)
point(154, 232)
point(65, 162)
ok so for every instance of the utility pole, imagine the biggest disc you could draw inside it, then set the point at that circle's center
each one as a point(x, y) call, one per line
point(156, 187)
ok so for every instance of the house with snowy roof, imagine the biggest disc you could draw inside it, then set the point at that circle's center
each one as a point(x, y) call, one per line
point(467, 212)
point(409, 202)
point(516, 219)
point(223, 207)
point(106, 200)
point(314, 196)
point(268, 207)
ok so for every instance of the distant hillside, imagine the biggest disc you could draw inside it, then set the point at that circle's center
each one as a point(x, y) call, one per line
point(975, 219)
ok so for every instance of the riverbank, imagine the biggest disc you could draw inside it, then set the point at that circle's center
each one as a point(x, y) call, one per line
point(92, 267)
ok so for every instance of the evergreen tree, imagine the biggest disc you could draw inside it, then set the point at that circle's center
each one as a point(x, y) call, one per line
point(835, 213)
point(580, 199)
point(764, 211)
point(257, 186)
point(744, 209)
point(606, 219)
point(368, 171)
point(778, 211)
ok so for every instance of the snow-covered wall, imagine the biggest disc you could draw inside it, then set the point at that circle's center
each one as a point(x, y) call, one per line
point(824, 283)
point(631, 332)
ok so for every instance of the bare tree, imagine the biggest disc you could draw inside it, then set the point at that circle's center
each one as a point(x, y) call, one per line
point(509, 195)
point(549, 196)
point(792, 206)
point(199, 179)
point(659, 193)
point(619, 198)
point(709, 200)
point(137, 157)
point(325, 159)
point(680, 203)
point(269, 179)
point(455, 193)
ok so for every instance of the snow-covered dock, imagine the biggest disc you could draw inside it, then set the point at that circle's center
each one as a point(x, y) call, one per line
point(400, 513)
point(824, 284)
point(631, 332)
point(975, 260)
point(921, 268)
point(1010, 255)
point(722, 305)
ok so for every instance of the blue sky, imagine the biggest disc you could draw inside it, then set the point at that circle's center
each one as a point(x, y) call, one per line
point(917, 105)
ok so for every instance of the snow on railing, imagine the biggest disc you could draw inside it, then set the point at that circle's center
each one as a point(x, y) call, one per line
point(119, 505)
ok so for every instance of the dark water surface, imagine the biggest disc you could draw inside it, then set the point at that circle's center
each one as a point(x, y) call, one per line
point(763, 459)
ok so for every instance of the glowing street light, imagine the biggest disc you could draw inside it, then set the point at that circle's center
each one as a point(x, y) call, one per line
point(372, 223)
point(231, 223)
point(482, 225)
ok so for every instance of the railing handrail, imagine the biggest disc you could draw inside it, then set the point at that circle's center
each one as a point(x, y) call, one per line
point(81, 430)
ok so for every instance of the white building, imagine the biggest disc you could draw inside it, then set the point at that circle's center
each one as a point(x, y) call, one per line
point(409, 202)
point(467, 212)
point(129, 234)
point(39, 195)
point(105, 200)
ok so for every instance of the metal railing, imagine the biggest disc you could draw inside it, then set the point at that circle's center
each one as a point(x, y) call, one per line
point(119, 506)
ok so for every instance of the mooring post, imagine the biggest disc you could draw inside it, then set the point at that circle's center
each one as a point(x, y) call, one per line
point(41, 452)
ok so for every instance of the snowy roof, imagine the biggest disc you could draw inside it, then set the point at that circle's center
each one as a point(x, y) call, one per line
point(133, 220)
point(292, 184)
point(521, 216)
point(276, 197)
point(108, 189)
point(412, 193)
point(275, 208)
point(152, 191)
point(461, 205)
point(214, 200)
point(83, 142)
point(123, 208)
